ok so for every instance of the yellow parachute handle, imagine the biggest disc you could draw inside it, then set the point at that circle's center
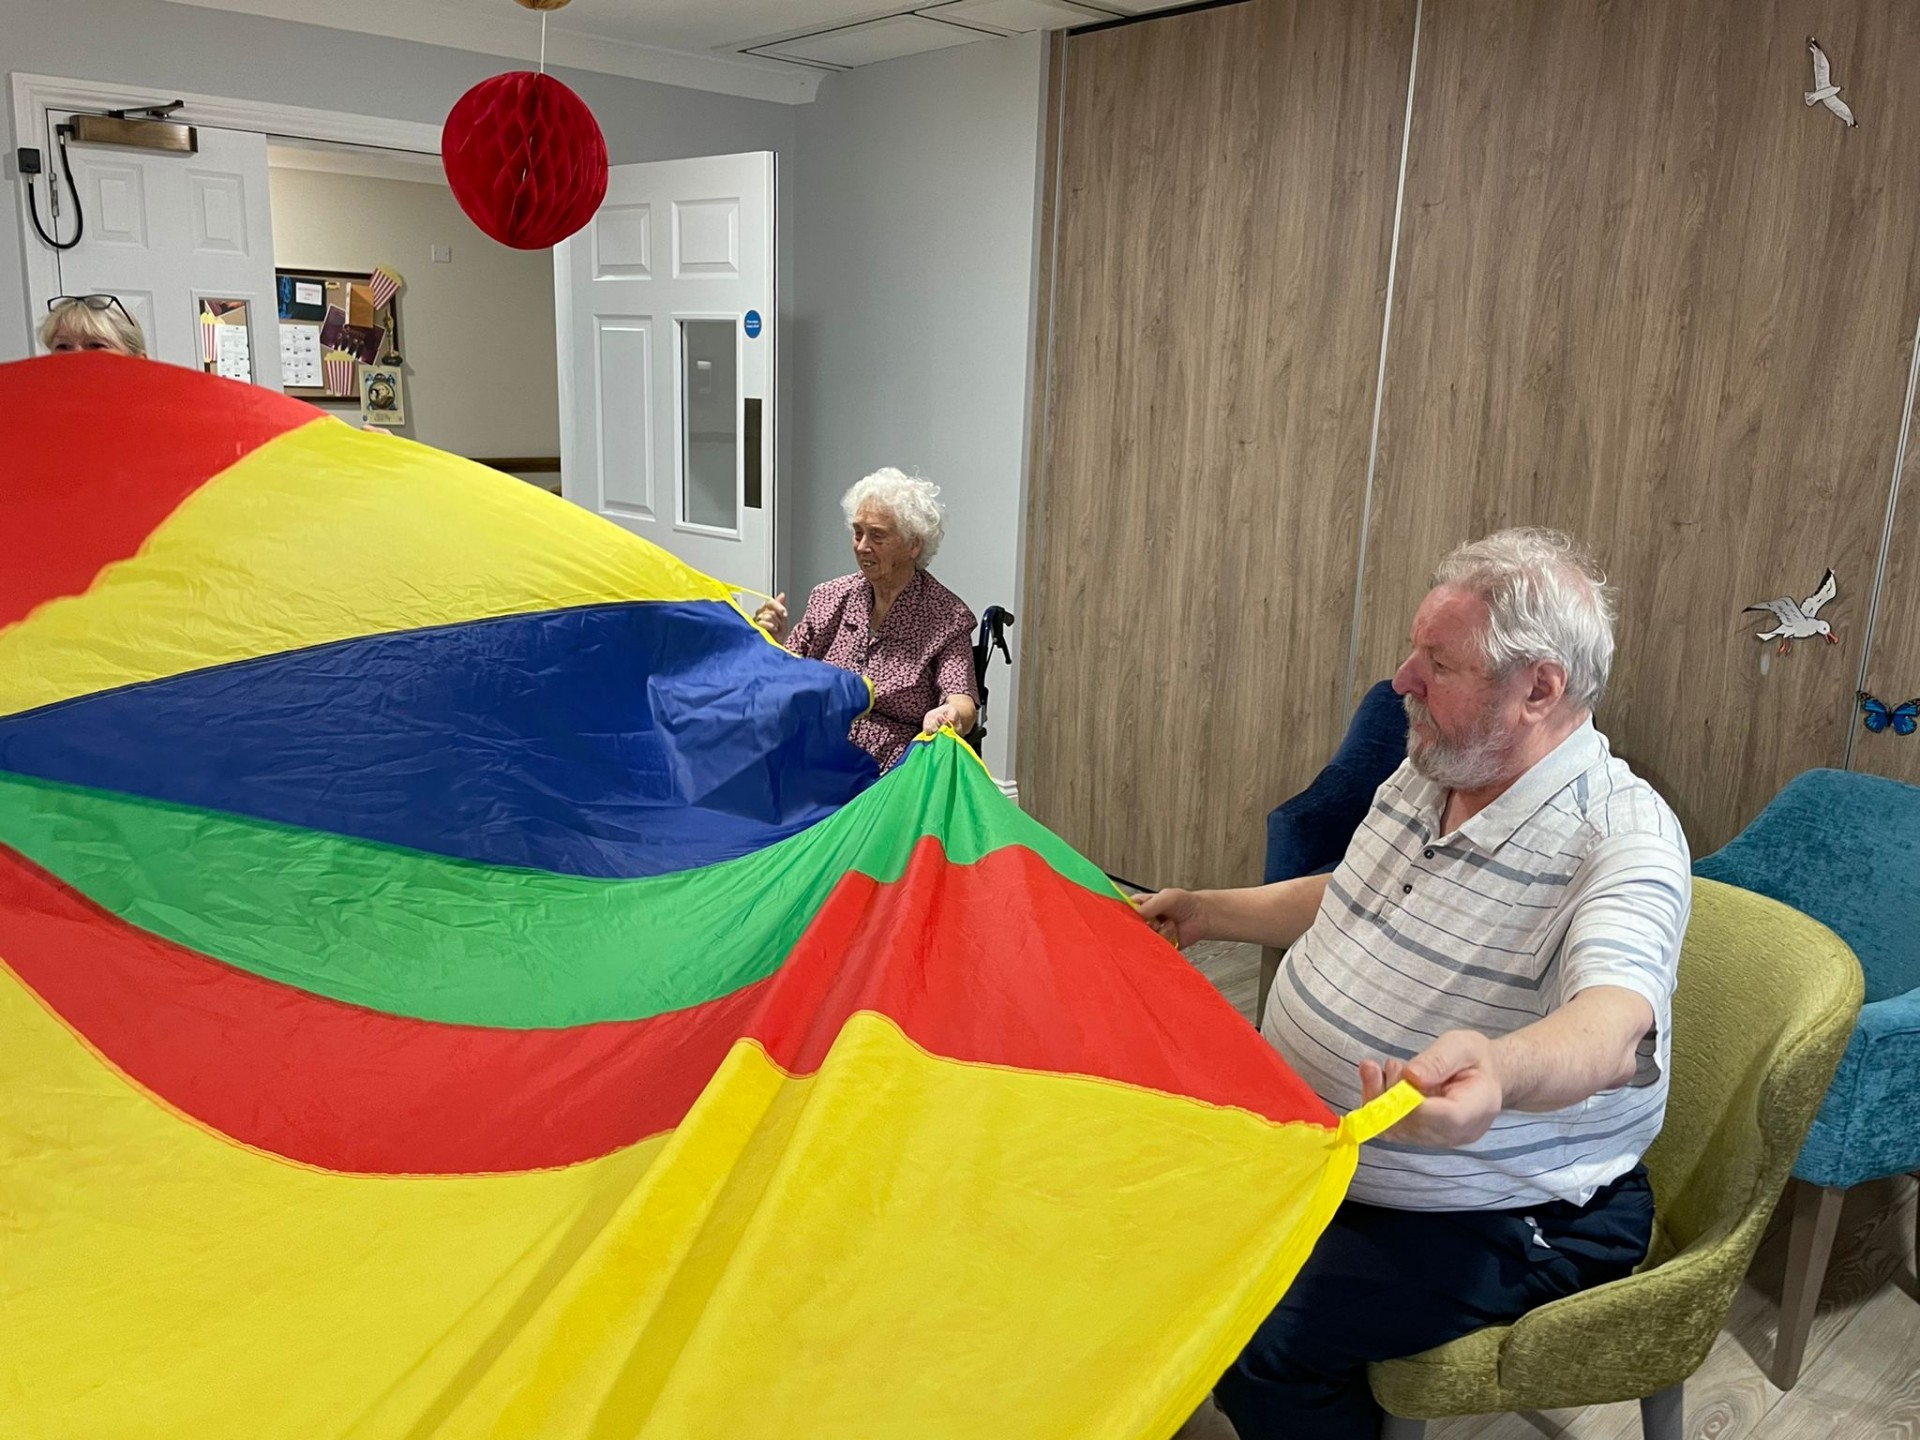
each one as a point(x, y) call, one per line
point(1380, 1114)
point(749, 590)
point(733, 594)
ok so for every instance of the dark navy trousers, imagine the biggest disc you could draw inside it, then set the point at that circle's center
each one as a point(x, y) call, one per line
point(1385, 1283)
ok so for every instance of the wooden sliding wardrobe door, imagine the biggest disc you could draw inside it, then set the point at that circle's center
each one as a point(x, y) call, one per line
point(1649, 295)
point(1224, 219)
point(1892, 669)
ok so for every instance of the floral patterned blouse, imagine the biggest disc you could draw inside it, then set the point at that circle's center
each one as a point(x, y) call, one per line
point(922, 653)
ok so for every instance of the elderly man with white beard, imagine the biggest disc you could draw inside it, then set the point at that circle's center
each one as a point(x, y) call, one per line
point(1503, 932)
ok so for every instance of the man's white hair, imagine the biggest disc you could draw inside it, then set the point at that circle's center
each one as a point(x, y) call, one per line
point(912, 500)
point(1546, 599)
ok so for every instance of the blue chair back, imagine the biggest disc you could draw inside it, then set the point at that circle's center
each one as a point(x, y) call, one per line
point(1309, 833)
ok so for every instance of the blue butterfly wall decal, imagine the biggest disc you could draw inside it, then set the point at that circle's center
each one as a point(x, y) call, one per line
point(1877, 715)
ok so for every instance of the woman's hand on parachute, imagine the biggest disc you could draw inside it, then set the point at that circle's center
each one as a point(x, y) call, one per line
point(772, 617)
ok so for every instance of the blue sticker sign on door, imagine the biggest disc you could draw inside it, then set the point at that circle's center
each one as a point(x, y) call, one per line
point(753, 324)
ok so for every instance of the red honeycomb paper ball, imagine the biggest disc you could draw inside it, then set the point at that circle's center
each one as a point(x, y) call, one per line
point(525, 158)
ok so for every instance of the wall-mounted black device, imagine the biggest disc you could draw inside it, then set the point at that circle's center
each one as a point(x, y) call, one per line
point(142, 127)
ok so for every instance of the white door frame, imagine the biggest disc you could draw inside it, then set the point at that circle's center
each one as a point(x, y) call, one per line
point(35, 95)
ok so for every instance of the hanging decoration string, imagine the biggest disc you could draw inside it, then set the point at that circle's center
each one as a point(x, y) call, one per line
point(543, 42)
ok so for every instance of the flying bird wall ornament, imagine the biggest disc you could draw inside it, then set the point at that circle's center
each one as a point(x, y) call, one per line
point(1824, 91)
point(1795, 619)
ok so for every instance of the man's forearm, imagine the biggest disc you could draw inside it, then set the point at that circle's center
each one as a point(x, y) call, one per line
point(1586, 1046)
point(1276, 915)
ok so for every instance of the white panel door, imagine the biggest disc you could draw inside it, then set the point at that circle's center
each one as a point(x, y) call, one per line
point(164, 232)
point(665, 310)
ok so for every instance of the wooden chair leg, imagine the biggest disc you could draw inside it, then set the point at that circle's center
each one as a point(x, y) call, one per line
point(1915, 1252)
point(1395, 1427)
point(1661, 1412)
point(1816, 1215)
point(1269, 967)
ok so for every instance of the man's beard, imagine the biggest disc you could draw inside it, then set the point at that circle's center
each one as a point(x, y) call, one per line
point(1474, 761)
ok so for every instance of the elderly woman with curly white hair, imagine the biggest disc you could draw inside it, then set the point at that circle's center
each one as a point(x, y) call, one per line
point(891, 621)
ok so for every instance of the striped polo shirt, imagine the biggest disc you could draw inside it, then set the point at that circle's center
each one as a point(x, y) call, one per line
point(1577, 875)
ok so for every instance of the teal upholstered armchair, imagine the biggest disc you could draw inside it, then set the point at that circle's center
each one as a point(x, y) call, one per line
point(1845, 849)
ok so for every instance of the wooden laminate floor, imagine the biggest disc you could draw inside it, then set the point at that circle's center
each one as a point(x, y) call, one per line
point(1861, 1379)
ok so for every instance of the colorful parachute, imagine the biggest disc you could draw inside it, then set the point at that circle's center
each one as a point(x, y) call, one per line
point(456, 979)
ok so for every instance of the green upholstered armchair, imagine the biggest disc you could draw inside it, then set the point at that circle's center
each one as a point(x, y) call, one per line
point(1766, 1001)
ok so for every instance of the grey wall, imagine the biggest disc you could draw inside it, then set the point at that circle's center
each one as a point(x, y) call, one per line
point(915, 207)
point(245, 57)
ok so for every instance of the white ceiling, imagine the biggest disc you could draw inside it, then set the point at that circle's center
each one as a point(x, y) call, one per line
point(765, 49)
point(731, 25)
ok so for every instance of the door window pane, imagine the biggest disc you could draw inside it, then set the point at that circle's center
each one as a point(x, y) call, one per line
point(226, 339)
point(709, 415)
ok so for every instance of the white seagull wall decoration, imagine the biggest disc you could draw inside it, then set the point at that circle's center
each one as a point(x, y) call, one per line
point(1824, 91)
point(1793, 620)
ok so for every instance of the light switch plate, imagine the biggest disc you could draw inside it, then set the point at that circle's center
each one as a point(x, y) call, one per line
point(443, 254)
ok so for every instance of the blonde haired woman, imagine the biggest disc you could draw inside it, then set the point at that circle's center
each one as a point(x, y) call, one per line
point(91, 322)
point(890, 620)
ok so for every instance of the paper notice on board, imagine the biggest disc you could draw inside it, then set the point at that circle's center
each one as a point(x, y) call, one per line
point(300, 356)
point(308, 292)
point(233, 356)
